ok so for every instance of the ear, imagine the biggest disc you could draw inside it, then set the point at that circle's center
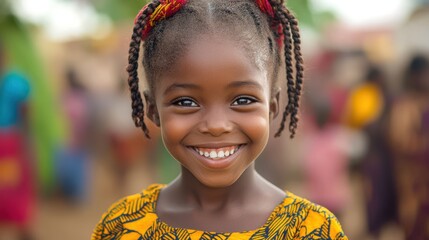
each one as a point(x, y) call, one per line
point(274, 103)
point(152, 110)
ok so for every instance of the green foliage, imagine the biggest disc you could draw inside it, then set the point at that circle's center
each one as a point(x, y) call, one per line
point(307, 16)
point(302, 10)
point(4, 8)
point(119, 10)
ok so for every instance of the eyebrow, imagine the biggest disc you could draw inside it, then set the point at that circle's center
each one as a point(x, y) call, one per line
point(237, 84)
point(175, 86)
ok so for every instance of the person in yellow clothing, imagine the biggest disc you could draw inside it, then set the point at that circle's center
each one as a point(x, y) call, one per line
point(365, 105)
point(212, 69)
point(135, 217)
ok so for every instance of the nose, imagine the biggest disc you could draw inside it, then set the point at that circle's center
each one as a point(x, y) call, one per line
point(216, 122)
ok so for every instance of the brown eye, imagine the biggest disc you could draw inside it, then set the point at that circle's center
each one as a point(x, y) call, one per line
point(185, 102)
point(243, 101)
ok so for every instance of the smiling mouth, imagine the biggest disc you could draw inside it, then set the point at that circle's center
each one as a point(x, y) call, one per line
point(217, 153)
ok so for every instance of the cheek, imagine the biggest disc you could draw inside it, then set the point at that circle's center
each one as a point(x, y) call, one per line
point(262, 127)
point(257, 128)
point(174, 128)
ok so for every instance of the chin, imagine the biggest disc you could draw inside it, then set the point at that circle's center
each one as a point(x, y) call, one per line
point(218, 181)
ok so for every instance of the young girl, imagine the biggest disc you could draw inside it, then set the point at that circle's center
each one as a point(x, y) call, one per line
point(211, 67)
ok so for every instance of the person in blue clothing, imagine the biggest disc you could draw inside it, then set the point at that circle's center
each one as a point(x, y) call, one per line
point(16, 185)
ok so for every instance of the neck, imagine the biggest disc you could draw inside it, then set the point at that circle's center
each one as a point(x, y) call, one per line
point(201, 196)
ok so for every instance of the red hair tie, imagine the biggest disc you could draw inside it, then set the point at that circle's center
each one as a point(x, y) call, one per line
point(265, 7)
point(165, 9)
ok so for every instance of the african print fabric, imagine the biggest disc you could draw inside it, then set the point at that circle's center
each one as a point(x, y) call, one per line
point(134, 217)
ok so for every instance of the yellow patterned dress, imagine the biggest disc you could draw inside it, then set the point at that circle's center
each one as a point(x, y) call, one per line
point(134, 217)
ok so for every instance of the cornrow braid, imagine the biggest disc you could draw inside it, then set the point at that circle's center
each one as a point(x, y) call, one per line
point(133, 79)
point(292, 42)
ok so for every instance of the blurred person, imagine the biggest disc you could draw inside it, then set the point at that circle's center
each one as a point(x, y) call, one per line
point(409, 140)
point(127, 145)
point(280, 162)
point(326, 164)
point(364, 105)
point(376, 165)
point(72, 163)
point(17, 193)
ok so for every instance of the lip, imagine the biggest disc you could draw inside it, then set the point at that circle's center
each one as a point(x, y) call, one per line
point(215, 145)
point(218, 163)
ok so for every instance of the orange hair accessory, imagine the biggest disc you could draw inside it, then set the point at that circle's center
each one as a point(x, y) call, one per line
point(165, 9)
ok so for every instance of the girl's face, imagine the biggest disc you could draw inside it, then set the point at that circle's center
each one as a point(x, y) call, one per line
point(214, 109)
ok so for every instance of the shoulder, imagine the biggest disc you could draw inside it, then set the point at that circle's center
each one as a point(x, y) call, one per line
point(310, 220)
point(128, 210)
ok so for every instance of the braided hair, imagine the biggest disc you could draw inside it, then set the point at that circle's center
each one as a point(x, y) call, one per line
point(262, 27)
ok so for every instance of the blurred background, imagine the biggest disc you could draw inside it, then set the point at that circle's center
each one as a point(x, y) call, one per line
point(68, 147)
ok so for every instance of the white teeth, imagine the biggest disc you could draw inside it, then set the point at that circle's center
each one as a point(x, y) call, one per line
point(216, 154)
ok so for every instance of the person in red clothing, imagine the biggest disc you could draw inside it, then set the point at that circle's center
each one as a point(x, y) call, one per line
point(16, 179)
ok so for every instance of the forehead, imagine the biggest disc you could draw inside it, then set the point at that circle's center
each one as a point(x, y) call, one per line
point(214, 51)
point(239, 21)
point(212, 58)
point(210, 53)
